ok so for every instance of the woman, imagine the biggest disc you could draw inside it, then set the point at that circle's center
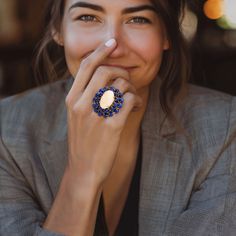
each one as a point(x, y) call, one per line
point(124, 146)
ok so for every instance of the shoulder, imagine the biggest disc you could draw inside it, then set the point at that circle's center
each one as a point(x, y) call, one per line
point(204, 106)
point(32, 110)
point(209, 118)
point(202, 102)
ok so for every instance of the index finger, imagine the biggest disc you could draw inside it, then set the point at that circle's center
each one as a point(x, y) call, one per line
point(90, 64)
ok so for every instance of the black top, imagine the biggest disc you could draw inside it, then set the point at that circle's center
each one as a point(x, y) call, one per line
point(128, 224)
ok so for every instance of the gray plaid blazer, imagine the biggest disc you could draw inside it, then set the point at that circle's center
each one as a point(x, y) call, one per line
point(183, 191)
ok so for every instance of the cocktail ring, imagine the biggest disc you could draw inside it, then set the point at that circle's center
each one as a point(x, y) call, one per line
point(107, 101)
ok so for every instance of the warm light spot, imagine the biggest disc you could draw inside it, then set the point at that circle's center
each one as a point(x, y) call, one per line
point(189, 24)
point(214, 9)
point(230, 12)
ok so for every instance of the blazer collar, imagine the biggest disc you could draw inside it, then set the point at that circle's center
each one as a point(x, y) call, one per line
point(160, 161)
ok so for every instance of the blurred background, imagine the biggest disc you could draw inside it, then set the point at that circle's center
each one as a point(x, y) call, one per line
point(209, 26)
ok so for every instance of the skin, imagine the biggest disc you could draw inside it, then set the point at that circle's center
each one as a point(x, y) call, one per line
point(129, 64)
point(139, 45)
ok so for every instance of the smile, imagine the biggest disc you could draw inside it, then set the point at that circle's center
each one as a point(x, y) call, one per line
point(128, 68)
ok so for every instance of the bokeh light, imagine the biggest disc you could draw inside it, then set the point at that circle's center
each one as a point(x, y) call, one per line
point(230, 12)
point(189, 24)
point(214, 9)
point(224, 11)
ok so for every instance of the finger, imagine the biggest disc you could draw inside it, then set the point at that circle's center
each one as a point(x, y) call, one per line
point(121, 84)
point(124, 86)
point(104, 76)
point(131, 102)
point(89, 65)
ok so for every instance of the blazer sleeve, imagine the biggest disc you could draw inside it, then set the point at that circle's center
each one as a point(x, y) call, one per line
point(211, 210)
point(20, 215)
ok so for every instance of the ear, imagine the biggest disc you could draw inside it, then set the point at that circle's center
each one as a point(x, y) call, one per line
point(57, 37)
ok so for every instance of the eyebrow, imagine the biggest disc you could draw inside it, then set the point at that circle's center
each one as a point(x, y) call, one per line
point(101, 9)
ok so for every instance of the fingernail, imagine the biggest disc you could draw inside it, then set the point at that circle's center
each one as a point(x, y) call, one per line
point(110, 43)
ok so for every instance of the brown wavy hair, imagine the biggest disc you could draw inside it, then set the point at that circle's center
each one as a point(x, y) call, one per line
point(50, 61)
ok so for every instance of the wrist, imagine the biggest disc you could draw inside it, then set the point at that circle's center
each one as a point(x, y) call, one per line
point(75, 206)
point(80, 182)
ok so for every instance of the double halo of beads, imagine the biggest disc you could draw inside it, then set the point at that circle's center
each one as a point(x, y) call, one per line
point(114, 108)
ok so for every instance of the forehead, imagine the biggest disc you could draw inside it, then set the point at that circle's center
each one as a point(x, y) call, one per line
point(110, 3)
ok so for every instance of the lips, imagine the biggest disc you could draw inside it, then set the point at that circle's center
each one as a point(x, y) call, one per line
point(121, 66)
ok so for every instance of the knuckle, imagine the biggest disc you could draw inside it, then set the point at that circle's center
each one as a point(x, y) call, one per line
point(75, 108)
point(69, 101)
point(126, 74)
point(78, 109)
point(102, 71)
point(86, 63)
point(122, 82)
point(130, 97)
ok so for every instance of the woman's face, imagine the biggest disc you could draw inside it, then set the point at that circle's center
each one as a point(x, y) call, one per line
point(133, 23)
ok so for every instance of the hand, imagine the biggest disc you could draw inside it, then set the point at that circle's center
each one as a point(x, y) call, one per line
point(93, 140)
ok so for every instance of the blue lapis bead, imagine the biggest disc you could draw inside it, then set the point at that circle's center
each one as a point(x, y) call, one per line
point(95, 103)
point(119, 100)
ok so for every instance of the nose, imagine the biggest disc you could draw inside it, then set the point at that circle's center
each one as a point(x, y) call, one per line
point(116, 31)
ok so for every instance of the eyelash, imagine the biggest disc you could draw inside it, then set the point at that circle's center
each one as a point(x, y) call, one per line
point(91, 18)
point(85, 18)
point(141, 20)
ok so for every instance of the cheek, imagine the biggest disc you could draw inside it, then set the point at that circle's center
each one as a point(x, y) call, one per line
point(77, 45)
point(149, 47)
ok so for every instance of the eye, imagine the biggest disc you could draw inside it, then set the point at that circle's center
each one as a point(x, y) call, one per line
point(87, 18)
point(140, 20)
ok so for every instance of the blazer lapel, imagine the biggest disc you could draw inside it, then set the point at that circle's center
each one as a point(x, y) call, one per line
point(54, 161)
point(160, 161)
point(54, 149)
